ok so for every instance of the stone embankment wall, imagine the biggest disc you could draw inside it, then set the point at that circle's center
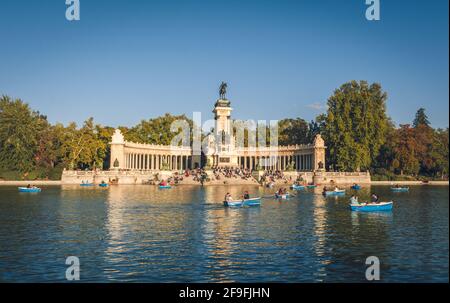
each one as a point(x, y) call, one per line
point(342, 177)
point(140, 177)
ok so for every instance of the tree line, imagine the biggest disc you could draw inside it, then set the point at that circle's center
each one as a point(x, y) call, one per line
point(357, 130)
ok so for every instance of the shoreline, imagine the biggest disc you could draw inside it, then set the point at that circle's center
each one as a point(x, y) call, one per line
point(59, 182)
point(440, 183)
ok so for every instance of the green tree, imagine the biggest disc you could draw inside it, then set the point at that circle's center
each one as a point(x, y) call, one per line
point(85, 148)
point(440, 154)
point(155, 131)
point(292, 131)
point(421, 118)
point(20, 128)
point(405, 150)
point(316, 127)
point(355, 126)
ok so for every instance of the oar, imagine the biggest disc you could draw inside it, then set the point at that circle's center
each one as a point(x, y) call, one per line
point(271, 196)
point(243, 201)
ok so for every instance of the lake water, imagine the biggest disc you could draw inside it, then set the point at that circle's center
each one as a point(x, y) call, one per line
point(185, 234)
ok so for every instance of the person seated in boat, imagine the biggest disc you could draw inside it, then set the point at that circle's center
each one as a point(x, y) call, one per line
point(163, 183)
point(228, 197)
point(29, 186)
point(336, 188)
point(325, 189)
point(246, 195)
point(354, 200)
point(374, 198)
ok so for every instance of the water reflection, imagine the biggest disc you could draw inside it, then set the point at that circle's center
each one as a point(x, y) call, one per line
point(141, 233)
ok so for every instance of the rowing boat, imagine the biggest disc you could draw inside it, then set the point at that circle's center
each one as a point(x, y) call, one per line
point(282, 196)
point(29, 189)
point(366, 207)
point(339, 192)
point(298, 187)
point(400, 189)
point(356, 187)
point(87, 184)
point(246, 202)
point(165, 186)
point(103, 185)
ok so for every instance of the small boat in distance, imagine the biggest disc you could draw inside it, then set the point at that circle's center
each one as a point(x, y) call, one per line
point(311, 186)
point(103, 184)
point(246, 202)
point(87, 184)
point(164, 186)
point(282, 196)
point(336, 192)
point(32, 189)
point(399, 189)
point(367, 207)
point(356, 187)
point(298, 187)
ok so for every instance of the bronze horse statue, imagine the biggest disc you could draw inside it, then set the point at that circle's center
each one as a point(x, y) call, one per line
point(223, 90)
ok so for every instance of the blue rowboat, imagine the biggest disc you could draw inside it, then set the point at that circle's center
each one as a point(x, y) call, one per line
point(87, 184)
point(340, 192)
point(298, 187)
point(240, 203)
point(29, 189)
point(103, 185)
point(283, 196)
point(400, 189)
point(165, 186)
point(356, 187)
point(382, 206)
point(311, 186)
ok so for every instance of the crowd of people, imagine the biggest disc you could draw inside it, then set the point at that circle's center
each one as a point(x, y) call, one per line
point(273, 176)
point(226, 172)
point(198, 175)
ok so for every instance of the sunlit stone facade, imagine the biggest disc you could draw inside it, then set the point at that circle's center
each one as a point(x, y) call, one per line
point(221, 151)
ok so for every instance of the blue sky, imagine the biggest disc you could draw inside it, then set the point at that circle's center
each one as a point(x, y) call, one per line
point(130, 60)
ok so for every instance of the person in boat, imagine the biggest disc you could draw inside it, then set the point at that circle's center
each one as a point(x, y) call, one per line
point(336, 188)
point(246, 195)
point(228, 197)
point(163, 183)
point(374, 198)
point(29, 186)
point(354, 200)
point(325, 189)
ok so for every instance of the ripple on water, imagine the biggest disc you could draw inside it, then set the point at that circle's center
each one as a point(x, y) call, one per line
point(142, 234)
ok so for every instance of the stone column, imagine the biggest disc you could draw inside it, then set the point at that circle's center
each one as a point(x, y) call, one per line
point(117, 151)
point(319, 153)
